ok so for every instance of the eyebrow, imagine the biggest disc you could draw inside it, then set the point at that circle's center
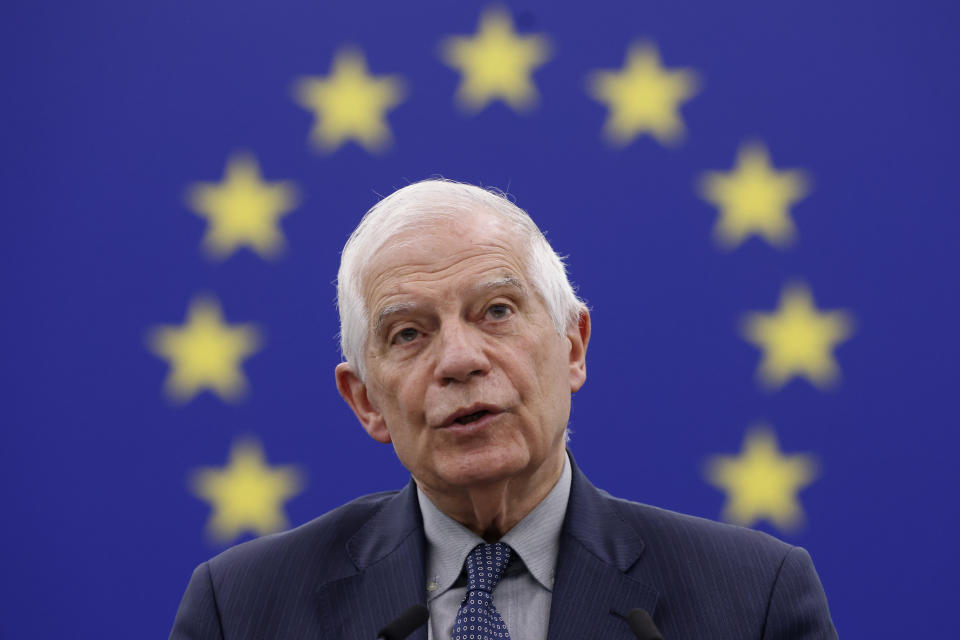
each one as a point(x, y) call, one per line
point(511, 282)
point(392, 310)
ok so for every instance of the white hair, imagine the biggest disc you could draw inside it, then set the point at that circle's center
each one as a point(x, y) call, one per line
point(430, 201)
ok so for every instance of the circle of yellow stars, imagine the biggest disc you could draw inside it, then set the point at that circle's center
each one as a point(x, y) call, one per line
point(497, 63)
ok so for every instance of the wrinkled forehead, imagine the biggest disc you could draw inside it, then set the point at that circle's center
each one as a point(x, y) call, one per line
point(444, 250)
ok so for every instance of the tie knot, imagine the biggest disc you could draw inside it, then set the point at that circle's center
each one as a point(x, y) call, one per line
point(485, 565)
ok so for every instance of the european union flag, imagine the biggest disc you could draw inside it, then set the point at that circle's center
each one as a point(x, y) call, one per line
point(758, 201)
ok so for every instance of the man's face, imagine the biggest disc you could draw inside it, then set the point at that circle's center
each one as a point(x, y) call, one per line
point(466, 373)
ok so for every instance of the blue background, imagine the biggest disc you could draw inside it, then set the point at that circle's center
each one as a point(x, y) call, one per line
point(111, 109)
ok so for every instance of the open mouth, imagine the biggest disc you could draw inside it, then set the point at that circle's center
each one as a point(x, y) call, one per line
point(476, 412)
point(473, 417)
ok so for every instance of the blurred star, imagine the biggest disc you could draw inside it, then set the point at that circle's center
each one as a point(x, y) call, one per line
point(643, 97)
point(797, 340)
point(247, 495)
point(205, 353)
point(761, 483)
point(243, 210)
point(350, 104)
point(753, 199)
point(496, 63)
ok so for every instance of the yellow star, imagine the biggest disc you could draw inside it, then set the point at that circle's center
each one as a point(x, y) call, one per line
point(643, 97)
point(753, 198)
point(243, 210)
point(350, 104)
point(761, 483)
point(205, 353)
point(496, 63)
point(797, 340)
point(247, 495)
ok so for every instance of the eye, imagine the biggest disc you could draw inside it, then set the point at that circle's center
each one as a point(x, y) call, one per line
point(499, 311)
point(405, 336)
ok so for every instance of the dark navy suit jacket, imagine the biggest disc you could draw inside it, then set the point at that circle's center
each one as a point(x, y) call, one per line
point(349, 572)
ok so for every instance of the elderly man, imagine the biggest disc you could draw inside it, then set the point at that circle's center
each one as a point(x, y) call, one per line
point(463, 342)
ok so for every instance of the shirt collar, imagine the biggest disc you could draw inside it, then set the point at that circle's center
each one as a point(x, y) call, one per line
point(536, 538)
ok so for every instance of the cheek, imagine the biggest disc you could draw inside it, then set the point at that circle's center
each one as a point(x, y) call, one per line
point(400, 400)
point(537, 373)
point(550, 382)
point(549, 361)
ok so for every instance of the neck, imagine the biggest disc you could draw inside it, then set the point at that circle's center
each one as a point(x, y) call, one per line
point(492, 509)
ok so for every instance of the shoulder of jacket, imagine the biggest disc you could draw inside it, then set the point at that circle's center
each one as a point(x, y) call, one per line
point(662, 528)
point(322, 539)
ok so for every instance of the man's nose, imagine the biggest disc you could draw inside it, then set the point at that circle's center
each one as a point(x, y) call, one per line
point(461, 355)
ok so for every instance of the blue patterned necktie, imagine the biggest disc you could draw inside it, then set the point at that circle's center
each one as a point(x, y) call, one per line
point(477, 618)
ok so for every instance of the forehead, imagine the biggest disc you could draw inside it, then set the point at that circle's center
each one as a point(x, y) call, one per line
point(443, 257)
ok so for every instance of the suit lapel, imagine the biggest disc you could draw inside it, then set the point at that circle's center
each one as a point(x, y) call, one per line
point(592, 591)
point(388, 552)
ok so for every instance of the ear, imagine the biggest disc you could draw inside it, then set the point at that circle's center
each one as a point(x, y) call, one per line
point(579, 337)
point(354, 392)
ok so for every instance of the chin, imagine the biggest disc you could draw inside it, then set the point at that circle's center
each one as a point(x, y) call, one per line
point(484, 466)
